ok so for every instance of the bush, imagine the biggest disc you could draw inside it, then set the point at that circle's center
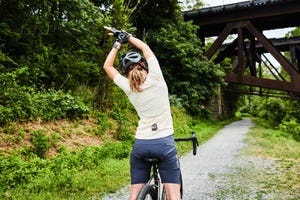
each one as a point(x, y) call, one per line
point(26, 103)
point(53, 105)
point(273, 111)
point(16, 170)
point(291, 127)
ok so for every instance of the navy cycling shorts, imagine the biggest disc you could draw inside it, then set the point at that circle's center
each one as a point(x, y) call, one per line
point(163, 149)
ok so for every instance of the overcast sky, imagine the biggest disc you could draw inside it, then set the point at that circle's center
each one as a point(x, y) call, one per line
point(209, 3)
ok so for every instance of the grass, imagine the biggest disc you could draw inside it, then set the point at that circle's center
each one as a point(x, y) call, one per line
point(87, 184)
point(285, 152)
point(272, 171)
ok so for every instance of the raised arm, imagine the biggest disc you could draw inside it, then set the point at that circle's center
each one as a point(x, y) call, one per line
point(121, 38)
point(108, 65)
point(147, 52)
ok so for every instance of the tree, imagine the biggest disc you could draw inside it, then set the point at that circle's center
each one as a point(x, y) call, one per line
point(47, 46)
point(58, 40)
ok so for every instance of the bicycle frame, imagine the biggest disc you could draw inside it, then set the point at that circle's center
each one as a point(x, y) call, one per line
point(155, 178)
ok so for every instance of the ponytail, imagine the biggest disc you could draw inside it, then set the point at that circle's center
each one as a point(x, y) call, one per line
point(136, 78)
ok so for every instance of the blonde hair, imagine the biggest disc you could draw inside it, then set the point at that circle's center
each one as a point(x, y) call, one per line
point(136, 78)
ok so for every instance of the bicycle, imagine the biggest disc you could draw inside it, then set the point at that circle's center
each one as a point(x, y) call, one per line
point(154, 187)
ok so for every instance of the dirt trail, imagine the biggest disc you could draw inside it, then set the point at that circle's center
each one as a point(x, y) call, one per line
point(219, 155)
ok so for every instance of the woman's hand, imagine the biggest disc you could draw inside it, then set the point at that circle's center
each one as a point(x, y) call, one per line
point(121, 36)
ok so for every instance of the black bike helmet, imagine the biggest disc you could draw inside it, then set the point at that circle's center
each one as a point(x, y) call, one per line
point(129, 59)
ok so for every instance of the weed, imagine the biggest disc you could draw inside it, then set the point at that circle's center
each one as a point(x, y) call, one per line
point(55, 138)
point(40, 142)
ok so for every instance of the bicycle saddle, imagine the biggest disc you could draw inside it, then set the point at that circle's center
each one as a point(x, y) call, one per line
point(152, 160)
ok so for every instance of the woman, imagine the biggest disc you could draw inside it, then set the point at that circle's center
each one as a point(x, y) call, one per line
point(146, 89)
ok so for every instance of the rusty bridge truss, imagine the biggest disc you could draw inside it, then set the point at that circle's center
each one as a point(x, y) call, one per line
point(247, 21)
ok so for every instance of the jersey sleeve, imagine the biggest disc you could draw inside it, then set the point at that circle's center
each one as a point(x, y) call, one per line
point(154, 67)
point(122, 82)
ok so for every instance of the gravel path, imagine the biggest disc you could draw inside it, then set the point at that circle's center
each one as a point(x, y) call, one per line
point(216, 156)
point(219, 155)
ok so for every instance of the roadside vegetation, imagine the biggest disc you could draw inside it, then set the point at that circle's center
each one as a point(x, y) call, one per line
point(67, 160)
point(283, 151)
point(271, 168)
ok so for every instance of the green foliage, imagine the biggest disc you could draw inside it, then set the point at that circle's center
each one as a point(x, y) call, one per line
point(145, 21)
point(48, 44)
point(23, 103)
point(275, 113)
point(182, 122)
point(40, 142)
point(58, 46)
point(58, 40)
point(292, 127)
point(191, 4)
point(175, 101)
point(54, 138)
point(6, 61)
point(122, 117)
point(26, 103)
point(102, 120)
point(89, 95)
point(117, 150)
point(110, 175)
point(58, 105)
point(16, 171)
point(272, 110)
point(294, 32)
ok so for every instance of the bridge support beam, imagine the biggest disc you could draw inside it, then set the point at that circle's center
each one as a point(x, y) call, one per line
point(247, 56)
